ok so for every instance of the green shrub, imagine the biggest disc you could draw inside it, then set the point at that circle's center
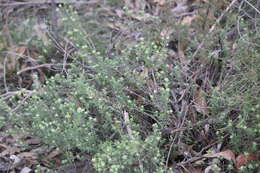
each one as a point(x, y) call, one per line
point(60, 114)
point(84, 107)
point(236, 100)
point(130, 155)
point(4, 113)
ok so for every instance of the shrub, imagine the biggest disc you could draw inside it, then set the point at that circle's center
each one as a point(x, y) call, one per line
point(84, 107)
point(130, 155)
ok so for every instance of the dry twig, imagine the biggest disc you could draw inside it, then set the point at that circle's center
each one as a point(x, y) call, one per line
point(128, 127)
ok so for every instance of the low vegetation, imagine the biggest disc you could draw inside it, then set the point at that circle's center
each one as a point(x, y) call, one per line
point(138, 91)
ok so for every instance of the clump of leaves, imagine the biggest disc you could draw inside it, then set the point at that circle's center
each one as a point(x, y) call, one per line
point(130, 155)
point(60, 114)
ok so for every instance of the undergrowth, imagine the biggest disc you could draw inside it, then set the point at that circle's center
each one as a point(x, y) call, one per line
point(120, 106)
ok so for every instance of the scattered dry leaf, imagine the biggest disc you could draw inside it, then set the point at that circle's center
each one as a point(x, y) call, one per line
point(8, 150)
point(141, 17)
point(189, 19)
point(12, 59)
point(182, 7)
point(41, 31)
point(200, 102)
point(167, 31)
point(25, 170)
point(227, 154)
point(30, 155)
point(7, 36)
point(242, 159)
point(120, 13)
point(117, 26)
point(15, 159)
point(15, 59)
point(160, 2)
point(53, 154)
point(33, 141)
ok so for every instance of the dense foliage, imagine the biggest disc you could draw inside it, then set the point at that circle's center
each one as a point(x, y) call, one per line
point(122, 107)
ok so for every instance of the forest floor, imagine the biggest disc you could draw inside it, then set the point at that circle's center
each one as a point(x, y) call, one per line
point(203, 40)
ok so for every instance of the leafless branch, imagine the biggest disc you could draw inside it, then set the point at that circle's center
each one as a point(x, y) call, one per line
point(128, 127)
point(5, 83)
point(34, 67)
point(9, 94)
